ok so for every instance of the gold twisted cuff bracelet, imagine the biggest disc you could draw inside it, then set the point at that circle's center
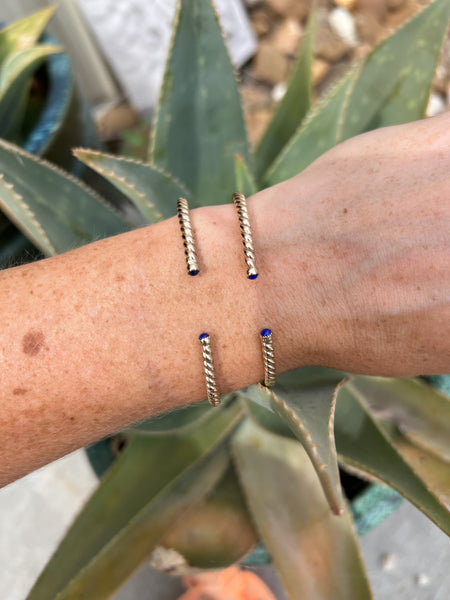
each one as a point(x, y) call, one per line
point(188, 238)
point(244, 222)
point(268, 356)
point(208, 365)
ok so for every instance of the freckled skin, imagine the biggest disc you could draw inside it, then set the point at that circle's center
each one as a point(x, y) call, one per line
point(367, 291)
point(33, 342)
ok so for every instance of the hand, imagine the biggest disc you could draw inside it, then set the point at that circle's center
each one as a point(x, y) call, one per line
point(358, 252)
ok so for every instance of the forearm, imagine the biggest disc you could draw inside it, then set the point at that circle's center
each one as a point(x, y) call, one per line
point(107, 334)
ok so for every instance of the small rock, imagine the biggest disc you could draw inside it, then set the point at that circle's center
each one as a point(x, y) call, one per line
point(261, 22)
point(436, 105)
point(348, 4)
point(343, 23)
point(279, 91)
point(296, 9)
point(287, 37)
point(368, 28)
point(422, 579)
point(255, 97)
point(320, 70)
point(270, 64)
point(377, 8)
point(329, 46)
point(388, 562)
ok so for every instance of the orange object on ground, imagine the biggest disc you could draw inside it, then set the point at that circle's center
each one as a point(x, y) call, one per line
point(233, 583)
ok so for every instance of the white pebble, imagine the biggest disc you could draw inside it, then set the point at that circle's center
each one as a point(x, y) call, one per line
point(422, 580)
point(343, 24)
point(436, 105)
point(279, 91)
point(387, 562)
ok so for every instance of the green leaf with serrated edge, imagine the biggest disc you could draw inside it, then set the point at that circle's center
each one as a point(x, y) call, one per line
point(153, 482)
point(257, 408)
point(15, 77)
point(199, 124)
point(319, 132)
point(421, 412)
point(315, 552)
point(245, 182)
point(56, 211)
point(215, 533)
point(293, 107)
point(179, 420)
point(174, 420)
point(362, 443)
point(306, 402)
point(434, 472)
point(153, 191)
point(24, 33)
point(394, 85)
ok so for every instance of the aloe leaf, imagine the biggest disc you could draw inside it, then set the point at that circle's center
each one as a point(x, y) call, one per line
point(53, 209)
point(434, 472)
point(394, 85)
point(420, 412)
point(172, 421)
point(307, 405)
point(362, 443)
point(179, 420)
point(256, 404)
point(319, 132)
point(199, 123)
point(152, 190)
point(24, 33)
point(391, 88)
point(293, 107)
point(315, 552)
point(245, 182)
point(153, 482)
point(215, 533)
point(15, 77)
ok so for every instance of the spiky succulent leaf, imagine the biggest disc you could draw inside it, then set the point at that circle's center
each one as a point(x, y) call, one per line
point(177, 420)
point(15, 75)
point(434, 472)
point(24, 33)
point(215, 533)
point(362, 443)
point(319, 132)
point(293, 107)
point(199, 124)
point(258, 409)
point(394, 85)
point(316, 553)
point(134, 506)
point(391, 88)
point(53, 209)
point(420, 412)
point(152, 190)
point(305, 399)
point(245, 182)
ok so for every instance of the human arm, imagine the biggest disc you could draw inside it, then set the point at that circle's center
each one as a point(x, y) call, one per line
point(354, 260)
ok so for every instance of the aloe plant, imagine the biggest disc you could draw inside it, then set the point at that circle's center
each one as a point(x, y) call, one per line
point(20, 56)
point(198, 488)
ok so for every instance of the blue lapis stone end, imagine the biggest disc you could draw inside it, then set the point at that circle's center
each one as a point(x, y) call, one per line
point(193, 272)
point(203, 336)
point(253, 276)
point(266, 332)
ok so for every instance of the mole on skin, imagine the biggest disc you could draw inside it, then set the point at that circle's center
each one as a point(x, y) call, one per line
point(32, 342)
